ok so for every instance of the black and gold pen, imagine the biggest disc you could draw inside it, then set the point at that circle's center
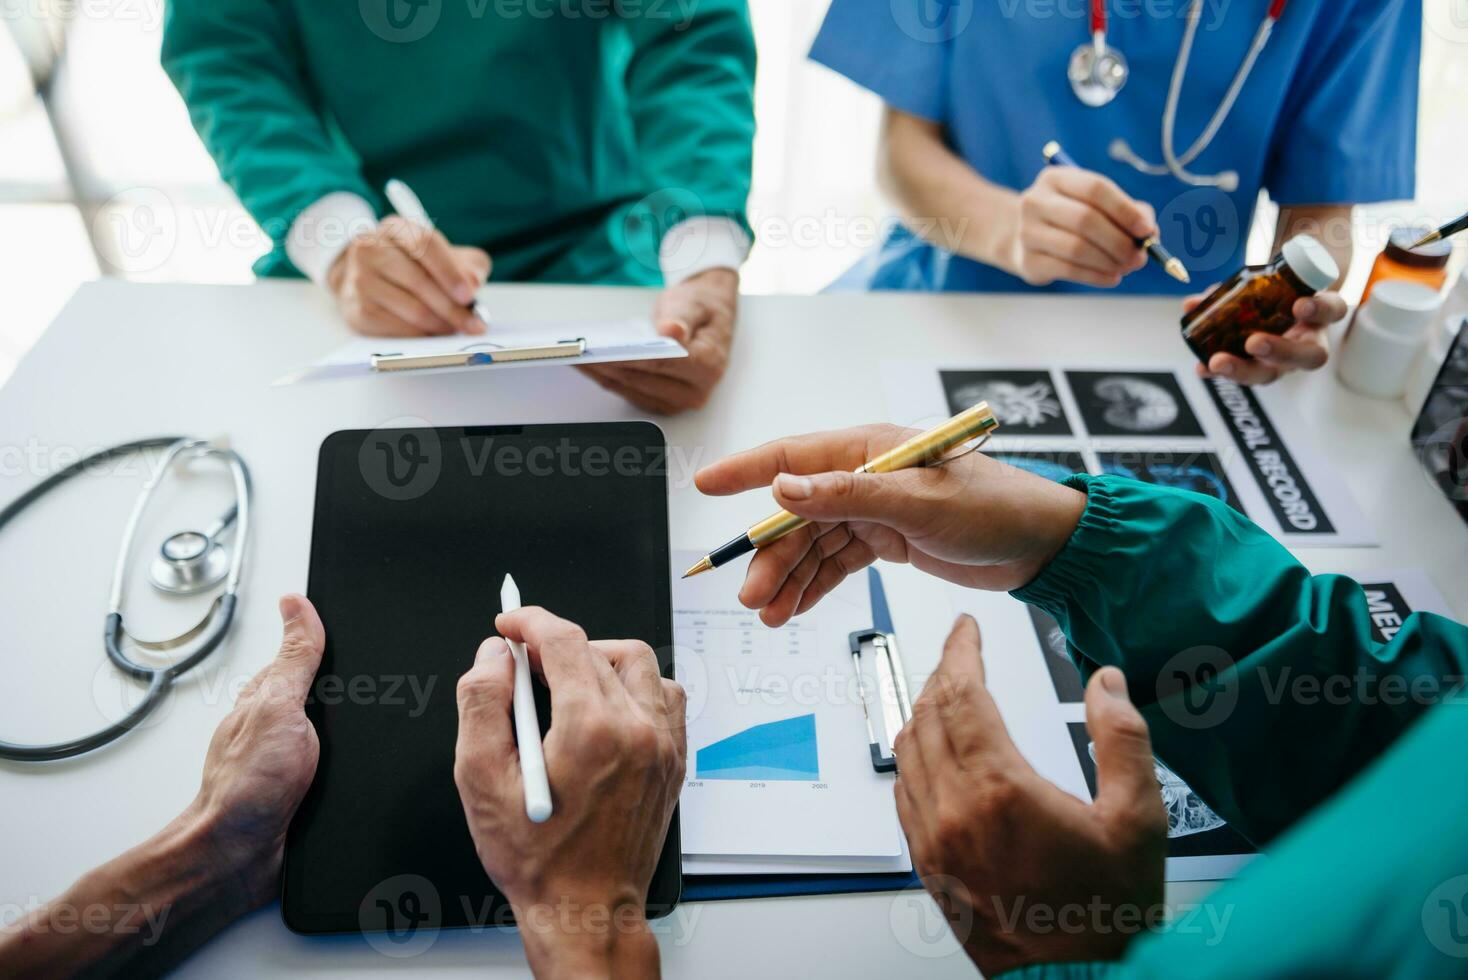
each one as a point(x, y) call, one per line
point(921, 450)
point(1451, 228)
point(1057, 157)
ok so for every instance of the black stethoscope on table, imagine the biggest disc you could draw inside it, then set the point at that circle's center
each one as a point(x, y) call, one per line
point(188, 562)
point(1097, 72)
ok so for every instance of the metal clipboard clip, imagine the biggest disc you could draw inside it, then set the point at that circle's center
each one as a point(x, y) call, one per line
point(892, 694)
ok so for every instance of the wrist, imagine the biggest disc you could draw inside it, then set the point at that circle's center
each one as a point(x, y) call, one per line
point(568, 938)
point(231, 866)
point(1048, 521)
point(719, 277)
point(994, 240)
point(335, 272)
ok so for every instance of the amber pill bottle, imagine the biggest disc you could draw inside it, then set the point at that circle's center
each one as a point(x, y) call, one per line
point(1259, 298)
point(1427, 265)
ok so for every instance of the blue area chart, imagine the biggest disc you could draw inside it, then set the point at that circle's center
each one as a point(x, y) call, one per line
point(776, 750)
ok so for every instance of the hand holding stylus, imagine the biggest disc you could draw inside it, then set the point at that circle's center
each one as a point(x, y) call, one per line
point(527, 721)
point(615, 754)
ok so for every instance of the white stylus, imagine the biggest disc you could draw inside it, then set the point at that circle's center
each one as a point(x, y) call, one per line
point(410, 208)
point(527, 722)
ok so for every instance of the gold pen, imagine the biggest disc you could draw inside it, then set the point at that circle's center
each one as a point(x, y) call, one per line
point(1451, 228)
point(920, 450)
point(1171, 264)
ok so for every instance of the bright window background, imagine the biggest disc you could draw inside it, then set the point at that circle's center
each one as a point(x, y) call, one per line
point(141, 176)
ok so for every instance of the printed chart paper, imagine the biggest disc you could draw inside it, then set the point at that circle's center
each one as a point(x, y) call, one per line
point(778, 760)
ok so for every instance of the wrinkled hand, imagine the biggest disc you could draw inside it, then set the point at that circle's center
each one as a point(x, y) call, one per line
point(1303, 347)
point(699, 313)
point(974, 521)
point(1077, 225)
point(614, 754)
point(263, 756)
point(404, 280)
point(995, 842)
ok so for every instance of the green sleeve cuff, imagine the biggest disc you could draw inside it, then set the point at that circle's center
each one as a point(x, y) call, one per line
point(1085, 555)
point(1063, 971)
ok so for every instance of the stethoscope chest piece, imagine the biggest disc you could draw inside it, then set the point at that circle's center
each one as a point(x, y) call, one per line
point(1097, 73)
point(187, 563)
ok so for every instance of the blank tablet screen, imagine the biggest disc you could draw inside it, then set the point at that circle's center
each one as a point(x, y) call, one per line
point(414, 532)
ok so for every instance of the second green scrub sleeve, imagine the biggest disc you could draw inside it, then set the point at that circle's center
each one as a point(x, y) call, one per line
point(690, 88)
point(1169, 586)
point(238, 66)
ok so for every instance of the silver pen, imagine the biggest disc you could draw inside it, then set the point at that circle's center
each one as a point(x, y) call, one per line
point(410, 208)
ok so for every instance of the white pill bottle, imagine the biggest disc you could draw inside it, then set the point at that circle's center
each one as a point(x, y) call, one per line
point(1386, 337)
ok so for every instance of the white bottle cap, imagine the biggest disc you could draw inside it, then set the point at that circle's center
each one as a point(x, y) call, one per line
point(1402, 307)
point(1311, 262)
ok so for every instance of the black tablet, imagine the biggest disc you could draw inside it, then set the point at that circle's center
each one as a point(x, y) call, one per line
point(414, 531)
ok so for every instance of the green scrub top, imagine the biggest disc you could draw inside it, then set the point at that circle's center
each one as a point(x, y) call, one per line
point(563, 138)
point(1341, 756)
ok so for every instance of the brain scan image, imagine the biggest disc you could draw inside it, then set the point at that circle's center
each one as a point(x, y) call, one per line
point(1187, 814)
point(1025, 402)
point(1133, 403)
point(1199, 472)
point(1029, 405)
point(1052, 466)
point(1136, 404)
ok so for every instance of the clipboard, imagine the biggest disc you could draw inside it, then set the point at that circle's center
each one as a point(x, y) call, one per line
point(881, 638)
point(478, 355)
point(508, 345)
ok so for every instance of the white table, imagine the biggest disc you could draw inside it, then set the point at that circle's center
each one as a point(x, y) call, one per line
point(125, 360)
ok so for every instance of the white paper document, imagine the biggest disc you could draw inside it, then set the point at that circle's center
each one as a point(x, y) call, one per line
point(778, 758)
point(606, 340)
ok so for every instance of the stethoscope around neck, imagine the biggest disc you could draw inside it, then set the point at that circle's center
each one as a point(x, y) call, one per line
point(188, 562)
point(1098, 71)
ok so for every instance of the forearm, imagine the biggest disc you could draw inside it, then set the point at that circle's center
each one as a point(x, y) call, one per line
point(238, 66)
point(1172, 586)
point(138, 915)
point(1331, 224)
point(691, 93)
point(940, 197)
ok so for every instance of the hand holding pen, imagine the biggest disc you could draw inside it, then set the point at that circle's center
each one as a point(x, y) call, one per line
point(1079, 226)
point(973, 521)
point(404, 279)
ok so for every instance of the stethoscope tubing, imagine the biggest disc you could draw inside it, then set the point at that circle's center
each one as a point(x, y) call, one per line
point(1174, 163)
point(211, 630)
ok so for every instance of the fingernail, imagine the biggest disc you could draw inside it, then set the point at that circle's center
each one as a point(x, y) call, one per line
point(494, 647)
point(1227, 368)
point(290, 608)
point(1263, 347)
point(794, 487)
point(676, 329)
point(1113, 682)
point(1307, 308)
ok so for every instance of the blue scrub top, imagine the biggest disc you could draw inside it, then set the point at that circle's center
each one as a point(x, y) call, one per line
point(1328, 116)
